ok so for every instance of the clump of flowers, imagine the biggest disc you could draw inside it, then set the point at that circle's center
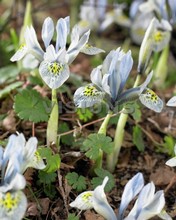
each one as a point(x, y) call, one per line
point(17, 156)
point(148, 203)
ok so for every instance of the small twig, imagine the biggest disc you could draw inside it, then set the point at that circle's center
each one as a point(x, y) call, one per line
point(33, 129)
point(85, 125)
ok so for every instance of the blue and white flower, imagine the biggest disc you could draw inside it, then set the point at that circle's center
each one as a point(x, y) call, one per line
point(108, 82)
point(54, 61)
point(156, 38)
point(147, 205)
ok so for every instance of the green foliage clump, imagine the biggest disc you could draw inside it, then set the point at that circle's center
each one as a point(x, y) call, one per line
point(77, 182)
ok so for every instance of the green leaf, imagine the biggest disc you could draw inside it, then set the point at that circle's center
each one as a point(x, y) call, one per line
point(101, 174)
point(96, 142)
point(77, 182)
point(52, 161)
point(168, 146)
point(137, 112)
point(30, 105)
point(138, 139)
point(50, 190)
point(84, 114)
point(47, 178)
point(72, 216)
point(66, 139)
point(9, 88)
point(8, 73)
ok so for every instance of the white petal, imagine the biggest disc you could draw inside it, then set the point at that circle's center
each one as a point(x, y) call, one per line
point(171, 162)
point(90, 50)
point(84, 201)
point(21, 52)
point(172, 102)
point(151, 100)
point(54, 74)
point(62, 32)
point(87, 96)
point(47, 31)
point(13, 205)
point(132, 188)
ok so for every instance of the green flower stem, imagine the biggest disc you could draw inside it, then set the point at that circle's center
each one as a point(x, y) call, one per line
point(52, 127)
point(102, 130)
point(161, 68)
point(112, 159)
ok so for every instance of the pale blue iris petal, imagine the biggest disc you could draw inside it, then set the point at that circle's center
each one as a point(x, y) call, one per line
point(96, 76)
point(126, 64)
point(21, 52)
point(82, 100)
point(105, 84)
point(146, 195)
point(134, 8)
point(62, 32)
point(32, 43)
point(75, 47)
point(151, 100)
point(54, 80)
point(50, 54)
point(172, 102)
point(154, 207)
point(132, 188)
point(47, 31)
point(172, 5)
point(114, 79)
point(101, 9)
point(107, 62)
point(18, 208)
point(29, 151)
point(91, 50)
point(100, 203)
point(146, 82)
point(30, 62)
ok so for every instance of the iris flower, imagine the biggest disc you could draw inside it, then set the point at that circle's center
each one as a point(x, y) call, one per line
point(13, 202)
point(26, 152)
point(156, 38)
point(108, 81)
point(147, 205)
point(54, 61)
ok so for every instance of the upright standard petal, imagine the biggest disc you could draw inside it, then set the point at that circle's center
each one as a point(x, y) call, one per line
point(154, 207)
point(62, 32)
point(146, 47)
point(96, 76)
point(100, 203)
point(32, 43)
point(132, 188)
point(12, 205)
point(47, 31)
point(87, 96)
point(77, 44)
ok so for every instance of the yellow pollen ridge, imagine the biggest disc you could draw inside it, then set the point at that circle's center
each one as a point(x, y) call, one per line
point(9, 202)
point(37, 156)
point(22, 46)
point(55, 68)
point(88, 46)
point(89, 91)
point(152, 95)
point(86, 196)
point(158, 36)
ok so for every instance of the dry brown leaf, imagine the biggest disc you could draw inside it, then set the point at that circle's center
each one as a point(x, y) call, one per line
point(9, 123)
point(162, 176)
